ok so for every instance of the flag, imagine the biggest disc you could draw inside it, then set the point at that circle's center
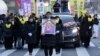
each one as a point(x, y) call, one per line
point(18, 4)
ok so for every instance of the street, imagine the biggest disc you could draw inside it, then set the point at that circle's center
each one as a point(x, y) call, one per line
point(93, 50)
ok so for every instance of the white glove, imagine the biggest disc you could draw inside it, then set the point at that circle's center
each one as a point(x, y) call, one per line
point(58, 31)
point(30, 34)
point(89, 27)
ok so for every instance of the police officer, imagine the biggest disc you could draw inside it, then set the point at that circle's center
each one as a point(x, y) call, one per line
point(59, 34)
point(30, 32)
point(48, 41)
point(8, 39)
point(22, 30)
point(16, 29)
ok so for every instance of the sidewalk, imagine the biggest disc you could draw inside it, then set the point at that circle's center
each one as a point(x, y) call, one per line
point(99, 30)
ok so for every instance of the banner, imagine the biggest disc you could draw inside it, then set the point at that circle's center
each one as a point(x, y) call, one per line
point(33, 6)
point(40, 8)
point(18, 3)
point(48, 26)
point(26, 6)
point(77, 6)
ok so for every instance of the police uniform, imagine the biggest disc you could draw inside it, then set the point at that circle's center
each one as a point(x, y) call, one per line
point(8, 39)
point(22, 29)
point(16, 30)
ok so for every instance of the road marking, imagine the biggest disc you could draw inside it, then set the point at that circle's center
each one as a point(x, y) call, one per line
point(92, 44)
point(7, 52)
point(82, 51)
point(35, 51)
point(99, 47)
point(54, 52)
point(25, 46)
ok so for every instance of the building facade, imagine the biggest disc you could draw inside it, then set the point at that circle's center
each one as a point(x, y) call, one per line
point(11, 4)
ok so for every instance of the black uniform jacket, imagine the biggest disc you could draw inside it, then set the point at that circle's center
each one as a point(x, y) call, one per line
point(8, 29)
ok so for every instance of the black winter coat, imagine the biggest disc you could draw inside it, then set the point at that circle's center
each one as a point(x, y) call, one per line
point(48, 40)
point(86, 28)
point(56, 7)
point(59, 27)
point(30, 28)
point(16, 27)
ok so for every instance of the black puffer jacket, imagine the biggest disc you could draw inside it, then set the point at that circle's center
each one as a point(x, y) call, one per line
point(30, 32)
point(59, 29)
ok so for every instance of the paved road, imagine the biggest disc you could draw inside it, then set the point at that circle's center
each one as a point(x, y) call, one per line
point(93, 50)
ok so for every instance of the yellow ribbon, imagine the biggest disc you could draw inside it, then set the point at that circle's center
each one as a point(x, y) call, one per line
point(22, 20)
point(90, 19)
point(8, 25)
point(57, 20)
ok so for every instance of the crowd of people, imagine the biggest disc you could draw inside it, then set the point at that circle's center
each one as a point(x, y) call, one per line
point(15, 29)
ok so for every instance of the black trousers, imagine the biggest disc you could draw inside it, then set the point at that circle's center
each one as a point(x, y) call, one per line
point(48, 50)
point(87, 41)
point(30, 48)
point(15, 40)
point(8, 42)
point(23, 40)
point(58, 47)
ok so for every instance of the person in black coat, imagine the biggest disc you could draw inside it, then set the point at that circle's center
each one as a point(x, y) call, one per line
point(59, 34)
point(56, 7)
point(86, 30)
point(16, 30)
point(30, 32)
point(8, 39)
point(48, 41)
point(38, 30)
point(22, 30)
